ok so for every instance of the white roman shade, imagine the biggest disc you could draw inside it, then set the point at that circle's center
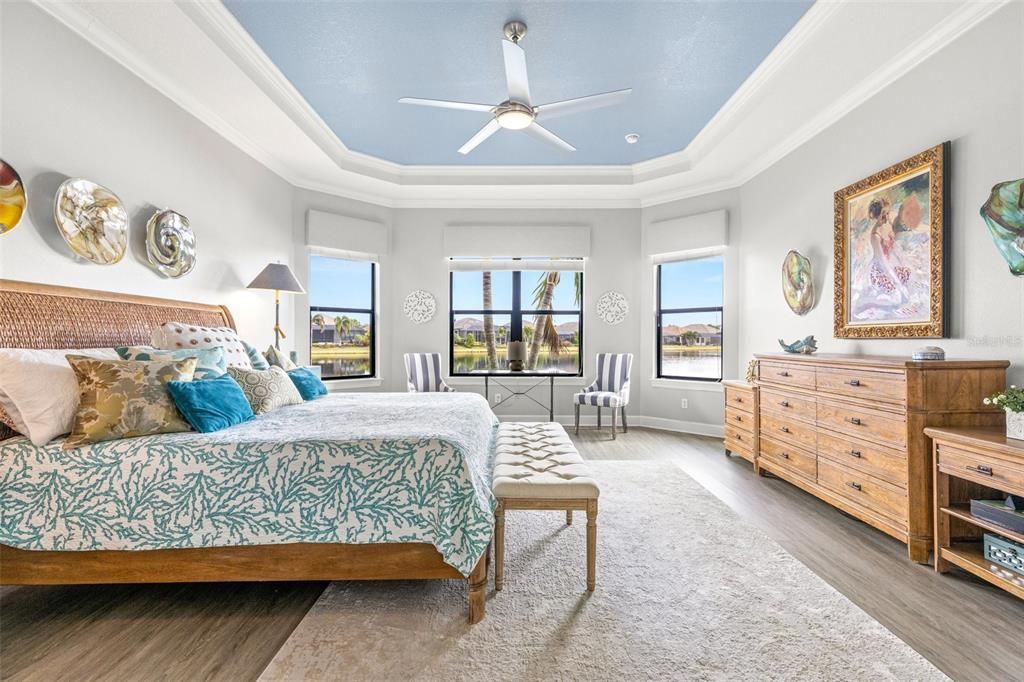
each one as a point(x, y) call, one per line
point(667, 239)
point(346, 236)
point(496, 265)
point(517, 241)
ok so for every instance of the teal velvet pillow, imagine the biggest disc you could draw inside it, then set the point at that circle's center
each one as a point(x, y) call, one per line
point(211, 404)
point(309, 384)
point(255, 357)
point(211, 360)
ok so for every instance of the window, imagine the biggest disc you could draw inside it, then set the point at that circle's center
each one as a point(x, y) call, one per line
point(342, 317)
point(689, 319)
point(489, 309)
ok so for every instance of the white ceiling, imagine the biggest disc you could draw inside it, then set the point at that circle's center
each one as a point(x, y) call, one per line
point(198, 55)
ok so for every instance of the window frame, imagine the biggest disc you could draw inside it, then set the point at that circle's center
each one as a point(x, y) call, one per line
point(659, 312)
point(516, 314)
point(371, 311)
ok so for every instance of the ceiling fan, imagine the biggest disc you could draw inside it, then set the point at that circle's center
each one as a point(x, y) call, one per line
point(518, 111)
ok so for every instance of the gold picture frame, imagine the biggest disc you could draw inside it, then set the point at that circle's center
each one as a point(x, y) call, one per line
point(890, 251)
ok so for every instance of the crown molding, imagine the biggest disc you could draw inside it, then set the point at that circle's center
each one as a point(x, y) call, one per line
point(691, 172)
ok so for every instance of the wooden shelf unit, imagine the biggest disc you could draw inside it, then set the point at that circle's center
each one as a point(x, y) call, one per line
point(972, 462)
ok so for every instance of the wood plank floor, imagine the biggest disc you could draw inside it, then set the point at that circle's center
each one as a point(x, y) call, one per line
point(231, 631)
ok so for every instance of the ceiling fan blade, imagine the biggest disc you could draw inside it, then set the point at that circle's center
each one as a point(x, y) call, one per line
point(485, 132)
point(542, 133)
point(515, 72)
point(577, 104)
point(445, 104)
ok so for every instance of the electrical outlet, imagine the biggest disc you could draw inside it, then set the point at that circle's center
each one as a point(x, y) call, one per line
point(497, 398)
point(684, 403)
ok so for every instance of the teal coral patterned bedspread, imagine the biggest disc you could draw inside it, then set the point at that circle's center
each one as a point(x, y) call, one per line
point(349, 468)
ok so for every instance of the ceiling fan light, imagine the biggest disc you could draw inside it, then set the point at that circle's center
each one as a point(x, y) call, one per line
point(514, 119)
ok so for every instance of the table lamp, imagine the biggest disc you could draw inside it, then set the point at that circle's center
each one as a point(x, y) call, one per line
point(279, 277)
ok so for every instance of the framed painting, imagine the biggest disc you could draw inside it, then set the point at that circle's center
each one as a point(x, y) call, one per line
point(890, 251)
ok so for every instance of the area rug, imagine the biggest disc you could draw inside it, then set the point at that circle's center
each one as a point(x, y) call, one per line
point(685, 590)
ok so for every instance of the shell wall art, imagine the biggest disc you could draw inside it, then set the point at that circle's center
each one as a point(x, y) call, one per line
point(419, 306)
point(1004, 215)
point(12, 197)
point(612, 307)
point(797, 283)
point(170, 243)
point(92, 221)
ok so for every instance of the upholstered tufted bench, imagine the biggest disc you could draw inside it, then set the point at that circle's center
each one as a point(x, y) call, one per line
point(536, 466)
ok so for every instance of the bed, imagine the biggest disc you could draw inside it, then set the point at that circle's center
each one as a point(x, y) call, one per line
point(348, 487)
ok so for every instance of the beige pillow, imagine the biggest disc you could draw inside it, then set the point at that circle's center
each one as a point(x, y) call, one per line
point(266, 389)
point(176, 335)
point(278, 358)
point(126, 398)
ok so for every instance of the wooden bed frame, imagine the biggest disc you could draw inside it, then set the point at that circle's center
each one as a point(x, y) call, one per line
point(45, 316)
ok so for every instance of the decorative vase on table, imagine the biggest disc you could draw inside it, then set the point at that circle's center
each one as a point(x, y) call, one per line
point(1014, 424)
point(1011, 401)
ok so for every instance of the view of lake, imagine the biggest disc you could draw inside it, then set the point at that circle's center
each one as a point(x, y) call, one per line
point(692, 363)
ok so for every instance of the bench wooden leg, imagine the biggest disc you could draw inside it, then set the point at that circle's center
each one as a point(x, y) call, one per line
point(478, 591)
point(499, 547)
point(568, 517)
point(591, 545)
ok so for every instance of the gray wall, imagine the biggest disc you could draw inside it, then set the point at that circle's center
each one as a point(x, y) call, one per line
point(68, 110)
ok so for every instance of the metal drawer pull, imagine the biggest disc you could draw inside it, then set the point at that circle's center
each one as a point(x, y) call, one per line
point(783, 374)
point(854, 420)
point(855, 453)
point(785, 455)
point(784, 403)
point(855, 486)
point(784, 429)
point(853, 382)
point(981, 469)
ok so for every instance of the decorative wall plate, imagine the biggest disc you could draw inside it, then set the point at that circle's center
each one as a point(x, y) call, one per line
point(170, 243)
point(92, 221)
point(1004, 215)
point(612, 307)
point(12, 197)
point(420, 306)
point(797, 285)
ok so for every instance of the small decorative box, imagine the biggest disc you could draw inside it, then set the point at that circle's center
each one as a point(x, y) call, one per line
point(1005, 553)
point(929, 353)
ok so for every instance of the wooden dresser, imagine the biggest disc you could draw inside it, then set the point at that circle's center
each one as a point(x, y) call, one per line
point(850, 430)
point(741, 416)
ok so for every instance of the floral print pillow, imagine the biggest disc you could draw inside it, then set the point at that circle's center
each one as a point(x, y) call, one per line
point(125, 398)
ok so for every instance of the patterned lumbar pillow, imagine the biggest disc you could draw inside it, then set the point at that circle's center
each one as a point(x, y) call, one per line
point(255, 357)
point(211, 360)
point(176, 335)
point(277, 358)
point(266, 389)
point(125, 398)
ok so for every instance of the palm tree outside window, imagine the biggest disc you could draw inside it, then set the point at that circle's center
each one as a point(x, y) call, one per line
point(689, 319)
point(342, 317)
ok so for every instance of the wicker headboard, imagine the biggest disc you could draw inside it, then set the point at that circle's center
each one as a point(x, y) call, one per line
point(46, 316)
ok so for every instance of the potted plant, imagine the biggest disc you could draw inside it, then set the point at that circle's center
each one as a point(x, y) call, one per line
point(1012, 402)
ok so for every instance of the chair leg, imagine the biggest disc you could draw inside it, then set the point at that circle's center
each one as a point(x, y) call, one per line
point(591, 545)
point(625, 426)
point(599, 417)
point(568, 517)
point(613, 423)
point(499, 546)
point(577, 419)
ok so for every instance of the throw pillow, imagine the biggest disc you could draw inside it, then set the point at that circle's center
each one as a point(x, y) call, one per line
point(211, 360)
point(310, 386)
point(255, 357)
point(278, 358)
point(266, 389)
point(125, 398)
point(177, 335)
point(211, 405)
point(38, 390)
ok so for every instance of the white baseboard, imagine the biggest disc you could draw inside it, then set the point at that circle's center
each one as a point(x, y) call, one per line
point(660, 423)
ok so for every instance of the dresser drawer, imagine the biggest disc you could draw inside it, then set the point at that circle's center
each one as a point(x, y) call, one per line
point(790, 458)
point(738, 419)
point(786, 374)
point(863, 489)
point(789, 404)
point(863, 422)
point(737, 439)
point(990, 471)
point(888, 387)
point(739, 399)
point(879, 461)
point(788, 430)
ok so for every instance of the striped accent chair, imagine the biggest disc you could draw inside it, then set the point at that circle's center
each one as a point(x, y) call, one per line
point(423, 372)
point(610, 389)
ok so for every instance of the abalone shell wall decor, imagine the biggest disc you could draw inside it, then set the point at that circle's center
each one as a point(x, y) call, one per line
point(92, 221)
point(170, 243)
point(797, 283)
point(1004, 215)
point(12, 197)
point(420, 306)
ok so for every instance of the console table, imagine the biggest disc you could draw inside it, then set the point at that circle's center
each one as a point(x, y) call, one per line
point(542, 376)
point(979, 463)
